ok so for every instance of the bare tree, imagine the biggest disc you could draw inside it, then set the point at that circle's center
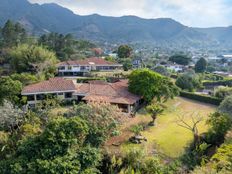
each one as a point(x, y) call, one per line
point(195, 120)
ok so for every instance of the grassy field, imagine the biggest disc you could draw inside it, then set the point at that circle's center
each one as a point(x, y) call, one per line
point(167, 137)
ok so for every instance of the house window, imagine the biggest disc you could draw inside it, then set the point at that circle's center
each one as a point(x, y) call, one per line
point(31, 106)
point(40, 97)
point(69, 67)
point(83, 67)
point(61, 93)
point(68, 95)
point(30, 98)
point(61, 68)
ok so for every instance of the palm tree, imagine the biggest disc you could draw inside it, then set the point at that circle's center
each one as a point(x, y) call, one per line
point(154, 110)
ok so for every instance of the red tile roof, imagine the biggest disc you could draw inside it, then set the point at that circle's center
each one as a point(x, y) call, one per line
point(89, 61)
point(52, 85)
point(107, 92)
point(115, 93)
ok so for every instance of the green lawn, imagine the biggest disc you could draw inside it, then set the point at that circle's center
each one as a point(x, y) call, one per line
point(167, 137)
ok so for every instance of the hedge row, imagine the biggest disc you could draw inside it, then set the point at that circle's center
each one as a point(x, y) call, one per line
point(218, 83)
point(201, 98)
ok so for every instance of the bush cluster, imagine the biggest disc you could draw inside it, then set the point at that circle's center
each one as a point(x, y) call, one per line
point(218, 83)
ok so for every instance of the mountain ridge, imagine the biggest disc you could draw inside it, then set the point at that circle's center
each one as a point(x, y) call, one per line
point(51, 17)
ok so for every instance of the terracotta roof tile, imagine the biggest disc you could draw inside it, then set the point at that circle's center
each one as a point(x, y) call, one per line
point(51, 85)
point(107, 92)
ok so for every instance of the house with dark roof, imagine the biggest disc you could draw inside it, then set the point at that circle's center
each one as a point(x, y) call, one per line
point(79, 67)
point(94, 91)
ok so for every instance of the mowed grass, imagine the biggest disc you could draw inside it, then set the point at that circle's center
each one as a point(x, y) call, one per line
point(167, 136)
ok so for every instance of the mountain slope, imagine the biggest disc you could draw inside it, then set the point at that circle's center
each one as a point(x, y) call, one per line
point(222, 34)
point(52, 17)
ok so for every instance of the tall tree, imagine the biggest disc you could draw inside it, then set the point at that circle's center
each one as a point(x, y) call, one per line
point(13, 34)
point(180, 59)
point(34, 59)
point(61, 44)
point(124, 51)
point(10, 90)
point(151, 85)
point(201, 65)
point(65, 46)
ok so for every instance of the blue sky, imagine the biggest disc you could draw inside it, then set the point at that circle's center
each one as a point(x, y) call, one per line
point(195, 13)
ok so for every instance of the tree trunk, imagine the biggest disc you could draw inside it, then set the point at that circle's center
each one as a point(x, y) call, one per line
point(196, 140)
point(152, 123)
point(153, 118)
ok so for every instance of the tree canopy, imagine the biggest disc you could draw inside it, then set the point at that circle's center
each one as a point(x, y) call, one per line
point(188, 81)
point(180, 59)
point(226, 105)
point(56, 143)
point(33, 59)
point(60, 149)
point(102, 119)
point(124, 51)
point(10, 90)
point(201, 65)
point(162, 70)
point(13, 34)
point(151, 85)
point(65, 46)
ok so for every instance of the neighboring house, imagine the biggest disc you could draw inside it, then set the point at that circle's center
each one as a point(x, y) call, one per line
point(79, 67)
point(175, 67)
point(227, 57)
point(137, 63)
point(114, 55)
point(95, 91)
point(58, 86)
point(214, 59)
point(221, 73)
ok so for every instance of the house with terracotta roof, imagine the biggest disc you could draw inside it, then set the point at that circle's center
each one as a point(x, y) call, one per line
point(58, 86)
point(79, 67)
point(94, 91)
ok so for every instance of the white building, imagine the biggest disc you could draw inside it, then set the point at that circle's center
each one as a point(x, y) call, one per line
point(79, 67)
point(175, 67)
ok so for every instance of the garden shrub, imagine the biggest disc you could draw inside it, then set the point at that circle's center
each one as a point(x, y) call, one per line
point(218, 83)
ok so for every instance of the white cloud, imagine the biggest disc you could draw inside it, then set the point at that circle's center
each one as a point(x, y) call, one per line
point(197, 13)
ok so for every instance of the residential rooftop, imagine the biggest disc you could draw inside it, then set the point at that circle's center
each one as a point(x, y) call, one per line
point(107, 92)
point(93, 91)
point(56, 84)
